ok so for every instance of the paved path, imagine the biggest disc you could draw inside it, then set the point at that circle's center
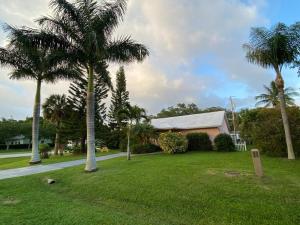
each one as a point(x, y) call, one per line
point(16, 155)
point(25, 171)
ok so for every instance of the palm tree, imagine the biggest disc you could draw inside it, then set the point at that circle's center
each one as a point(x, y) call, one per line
point(270, 98)
point(84, 30)
point(276, 48)
point(132, 114)
point(54, 110)
point(36, 63)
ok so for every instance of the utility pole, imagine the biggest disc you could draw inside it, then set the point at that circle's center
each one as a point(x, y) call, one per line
point(233, 114)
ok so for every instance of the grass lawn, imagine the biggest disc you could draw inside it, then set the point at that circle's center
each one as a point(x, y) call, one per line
point(14, 151)
point(161, 189)
point(10, 163)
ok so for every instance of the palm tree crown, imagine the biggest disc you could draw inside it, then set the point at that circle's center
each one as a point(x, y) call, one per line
point(274, 48)
point(85, 29)
point(34, 62)
point(54, 108)
point(271, 98)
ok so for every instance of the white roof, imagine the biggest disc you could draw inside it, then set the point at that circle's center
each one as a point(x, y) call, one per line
point(202, 120)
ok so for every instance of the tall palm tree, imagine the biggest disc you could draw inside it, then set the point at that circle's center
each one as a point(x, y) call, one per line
point(84, 29)
point(271, 98)
point(276, 48)
point(54, 110)
point(35, 63)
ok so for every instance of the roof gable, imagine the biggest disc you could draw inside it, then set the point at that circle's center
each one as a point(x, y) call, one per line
point(202, 120)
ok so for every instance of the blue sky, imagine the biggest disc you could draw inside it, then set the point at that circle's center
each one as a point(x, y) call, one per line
point(195, 46)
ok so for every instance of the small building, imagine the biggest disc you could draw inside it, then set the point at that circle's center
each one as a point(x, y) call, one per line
point(22, 140)
point(212, 123)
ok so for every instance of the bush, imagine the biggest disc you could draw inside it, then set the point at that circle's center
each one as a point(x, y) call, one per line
point(44, 150)
point(224, 143)
point(144, 148)
point(199, 142)
point(172, 142)
point(144, 133)
point(75, 150)
point(264, 128)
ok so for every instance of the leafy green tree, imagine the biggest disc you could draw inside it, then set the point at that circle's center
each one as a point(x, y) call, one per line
point(275, 48)
point(119, 101)
point(54, 110)
point(271, 98)
point(180, 109)
point(35, 63)
point(84, 30)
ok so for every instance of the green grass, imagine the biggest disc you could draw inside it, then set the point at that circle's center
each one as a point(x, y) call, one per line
point(14, 151)
point(10, 163)
point(158, 189)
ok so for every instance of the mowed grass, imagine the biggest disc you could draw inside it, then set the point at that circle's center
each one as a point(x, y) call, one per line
point(14, 151)
point(10, 163)
point(160, 189)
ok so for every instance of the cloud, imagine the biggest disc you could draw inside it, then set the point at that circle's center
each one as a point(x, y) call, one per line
point(185, 38)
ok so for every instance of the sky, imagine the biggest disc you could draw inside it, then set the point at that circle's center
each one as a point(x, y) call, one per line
point(195, 46)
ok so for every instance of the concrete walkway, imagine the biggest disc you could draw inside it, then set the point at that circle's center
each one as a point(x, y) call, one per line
point(25, 171)
point(16, 155)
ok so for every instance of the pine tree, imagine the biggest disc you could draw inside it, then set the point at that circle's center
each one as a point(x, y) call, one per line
point(119, 101)
point(75, 125)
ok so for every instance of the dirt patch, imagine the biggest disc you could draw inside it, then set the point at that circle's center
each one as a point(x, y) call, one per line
point(232, 174)
point(211, 172)
point(10, 201)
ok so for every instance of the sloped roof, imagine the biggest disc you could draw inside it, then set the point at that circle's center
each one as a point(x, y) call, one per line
point(202, 120)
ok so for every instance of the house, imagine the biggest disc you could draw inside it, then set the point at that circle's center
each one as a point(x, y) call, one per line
point(212, 123)
point(22, 140)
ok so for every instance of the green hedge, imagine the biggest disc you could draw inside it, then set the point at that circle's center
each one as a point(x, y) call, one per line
point(224, 143)
point(199, 142)
point(144, 148)
point(263, 127)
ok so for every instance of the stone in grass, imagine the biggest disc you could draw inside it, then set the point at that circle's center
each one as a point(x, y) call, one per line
point(51, 181)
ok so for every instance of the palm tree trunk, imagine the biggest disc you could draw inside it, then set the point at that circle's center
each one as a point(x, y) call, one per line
point(57, 139)
point(35, 156)
point(280, 85)
point(90, 123)
point(128, 144)
point(56, 146)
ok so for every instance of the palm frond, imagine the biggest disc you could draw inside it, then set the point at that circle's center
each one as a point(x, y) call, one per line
point(126, 50)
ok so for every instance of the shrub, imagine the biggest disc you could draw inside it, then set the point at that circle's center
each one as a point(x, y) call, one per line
point(264, 128)
point(44, 150)
point(144, 148)
point(172, 142)
point(224, 143)
point(75, 150)
point(144, 132)
point(199, 142)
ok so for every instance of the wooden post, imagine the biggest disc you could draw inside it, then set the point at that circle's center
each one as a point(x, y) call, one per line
point(257, 162)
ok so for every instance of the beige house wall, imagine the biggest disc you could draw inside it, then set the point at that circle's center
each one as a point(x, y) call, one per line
point(212, 132)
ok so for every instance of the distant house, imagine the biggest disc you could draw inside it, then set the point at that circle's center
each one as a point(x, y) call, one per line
point(212, 123)
point(22, 140)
